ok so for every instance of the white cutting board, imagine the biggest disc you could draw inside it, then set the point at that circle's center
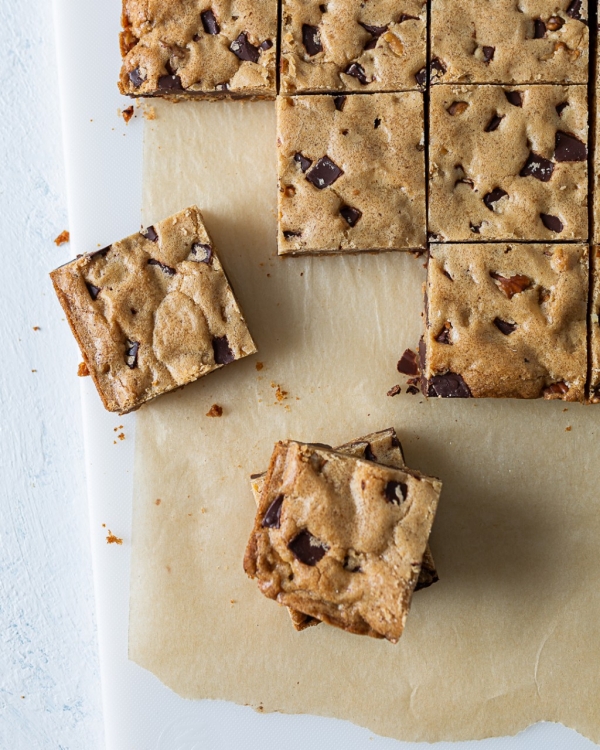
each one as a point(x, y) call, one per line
point(104, 180)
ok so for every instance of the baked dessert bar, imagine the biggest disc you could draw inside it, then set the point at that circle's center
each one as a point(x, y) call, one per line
point(350, 45)
point(506, 321)
point(186, 48)
point(509, 41)
point(384, 448)
point(341, 538)
point(152, 312)
point(351, 173)
point(508, 163)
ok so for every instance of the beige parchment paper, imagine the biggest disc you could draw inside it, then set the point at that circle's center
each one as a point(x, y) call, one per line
point(511, 633)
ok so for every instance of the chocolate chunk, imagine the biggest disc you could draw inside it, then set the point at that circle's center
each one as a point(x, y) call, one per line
point(488, 53)
point(357, 71)
point(170, 83)
point(287, 235)
point(373, 30)
point(311, 39)
point(493, 123)
point(412, 390)
point(574, 10)
point(556, 390)
point(569, 148)
point(272, 518)
point(421, 77)
point(131, 354)
point(136, 77)
point(538, 167)
point(267, 44)
point(324, 173)
point(202, 253)
point(427, 577)
point(491, 198)
point(514, 97)
point(457, 108)
point(553, 223)
point(323, 8)
point(511, 285)
point(539, 29)
point(396, 492)
point(448, 385)
point(244, 49)
point(339, 102)
point(209, 22)
point(377, 123)
point(475, 228)
point(443, 336)
point(150, 234)
point(222, 351)
point(93, 290)
point(405, 17)
point(436, 68)
point(407, 364)
point(302, 161)
point(350, 214)
point(394, 390)
point(307, 549)
point(164, 268)
point(560, 108)
point(504, 326)
point(368, 453)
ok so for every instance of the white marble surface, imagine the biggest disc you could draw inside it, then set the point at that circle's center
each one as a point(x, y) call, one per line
point(49, 677)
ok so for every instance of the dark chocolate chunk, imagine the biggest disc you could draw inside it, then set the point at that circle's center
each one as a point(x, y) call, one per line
point(99, 253)
point(202, 253)
point(272, 518)
point(307, 549)
point(511, 285)
point(412, 390)
point(488, 53)
point(324, 173)
point(394, 390)
point(491, 198)
point(323, 8)
point(311, 39)
point(421, 77)
point(164, 268)
point(515, 98)
point(569, 148)
point(209, 22)
point(244, 49)
point(443, 336)
point(350, 214)
point(267, 44)
point(302, 161)
point(457, 108)
point(408, 364)
point(357, 71)
point(560, 108)
point(373, 30)
point(493, 123)
point(222, 350)
point(436, 68)
point(150, 234)
point(368, 453)
point(377, 122)
point(553, 223)
point(396, 492)
point(131, 354)
point(339, 102)
point(448, 385)
point(574, 9)
point(136, 77)
point(287, 235)
point(538, 167)
point(504, 326)
point(475, 228)
point(93, 290)
point(170, 83)
point(539, 29)
point(427, 577)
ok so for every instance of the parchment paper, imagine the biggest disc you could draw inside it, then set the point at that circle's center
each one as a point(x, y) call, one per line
point(509, 636)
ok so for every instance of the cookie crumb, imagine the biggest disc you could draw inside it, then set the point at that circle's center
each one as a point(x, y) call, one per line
point(149, 113)
point(394, 391)
point(412, 390)
point(215, 411)
point(82, 370)
point(259, 366)
point(121, 436)
point(280, 394)
point(112, 539)
point(158, 501)
point(62, 238)
point(127, 114)
point(568, 429)
point(36, 328)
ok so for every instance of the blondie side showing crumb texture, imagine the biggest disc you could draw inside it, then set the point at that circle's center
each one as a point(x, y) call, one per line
point(152, 312)
point(506, 321)
point(384, 448)
point(508, 163)
point(351, 173)
point(346, 45)
point(341, 538)
point(196, 48)
point(594, 386)
point(509, 41)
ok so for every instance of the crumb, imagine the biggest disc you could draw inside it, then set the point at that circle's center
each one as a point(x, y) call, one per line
point(565, 410)
point(36, 328)
point(34, 371)
point(121, 436)
point(215, 411)
point(168, 568)
point(202, 510)
point(103, 525)
point(149, 113)
point(394, 391)
point(114, 442)
point(62, 238)
point(232, 601)
point(127, 114)
point(413, 390)
point(568, 429)
point(22, 697)
point(112, 539)
point(268, 276)
point(301, 273)
point(280, 394)
point(158, 501)
point(259, 366)
point(82, 370)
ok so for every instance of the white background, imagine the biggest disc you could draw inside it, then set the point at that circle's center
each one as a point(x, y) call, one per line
point(49, 674)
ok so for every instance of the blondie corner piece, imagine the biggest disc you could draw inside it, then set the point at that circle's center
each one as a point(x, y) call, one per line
point(508, 163)
point(384, 448)
point(152, 312)
point(345, 45)
point(186, 48)
point(351, 173)
point(506, 321)
point(509, 41)
point(341, 538)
